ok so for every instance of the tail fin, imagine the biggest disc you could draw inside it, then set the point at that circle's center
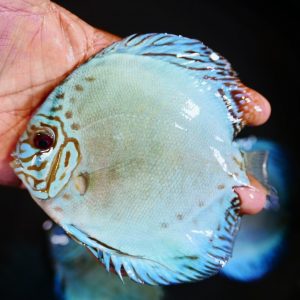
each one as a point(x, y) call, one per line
point(262, 237)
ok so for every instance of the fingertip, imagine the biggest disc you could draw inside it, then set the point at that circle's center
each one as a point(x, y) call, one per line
point(252, 200)
point(256, 108)
point(261, 108)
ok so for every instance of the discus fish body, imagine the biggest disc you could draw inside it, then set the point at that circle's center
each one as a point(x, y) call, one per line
point(133, 156)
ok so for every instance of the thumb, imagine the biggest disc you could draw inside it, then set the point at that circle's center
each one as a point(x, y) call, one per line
point(83, 36)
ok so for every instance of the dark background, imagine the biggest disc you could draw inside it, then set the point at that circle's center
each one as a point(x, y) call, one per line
point(259, 39)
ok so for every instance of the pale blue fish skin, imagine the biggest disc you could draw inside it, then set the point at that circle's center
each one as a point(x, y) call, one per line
point(143, 164)
point(79, 277)
point(262, 238)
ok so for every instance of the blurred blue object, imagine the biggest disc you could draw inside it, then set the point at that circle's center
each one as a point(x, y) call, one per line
point(261, 238)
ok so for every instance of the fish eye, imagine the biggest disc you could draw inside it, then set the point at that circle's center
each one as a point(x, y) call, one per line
point(43, 139)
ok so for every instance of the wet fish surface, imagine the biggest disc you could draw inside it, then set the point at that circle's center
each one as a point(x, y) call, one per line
point(134, 156)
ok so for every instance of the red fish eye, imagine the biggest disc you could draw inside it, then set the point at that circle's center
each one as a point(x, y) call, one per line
point(43, 140)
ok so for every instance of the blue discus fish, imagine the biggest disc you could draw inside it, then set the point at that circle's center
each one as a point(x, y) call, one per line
point(79, 277)
point(133, 155)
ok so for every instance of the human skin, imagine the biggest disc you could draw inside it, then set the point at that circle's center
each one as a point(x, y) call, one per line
point(40, 44)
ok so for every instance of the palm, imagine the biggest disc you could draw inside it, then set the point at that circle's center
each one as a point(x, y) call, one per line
point(40, 43)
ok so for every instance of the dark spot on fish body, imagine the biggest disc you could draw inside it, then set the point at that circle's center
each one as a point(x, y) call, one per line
point(66, 196)
point(221, 186)
point(78, 87)
point(57, 108)
point(164, 225)
point(90, 78)
point(69, 114)
point(75, 126)
point(60, 95)
point(200, 203)
point(62, 176)
point(179, 217)
point(33, 127)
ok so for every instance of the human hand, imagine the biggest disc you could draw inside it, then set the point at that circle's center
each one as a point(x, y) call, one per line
point(40, 44)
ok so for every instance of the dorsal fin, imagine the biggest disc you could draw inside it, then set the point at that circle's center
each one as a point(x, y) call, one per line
point(202, 63)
